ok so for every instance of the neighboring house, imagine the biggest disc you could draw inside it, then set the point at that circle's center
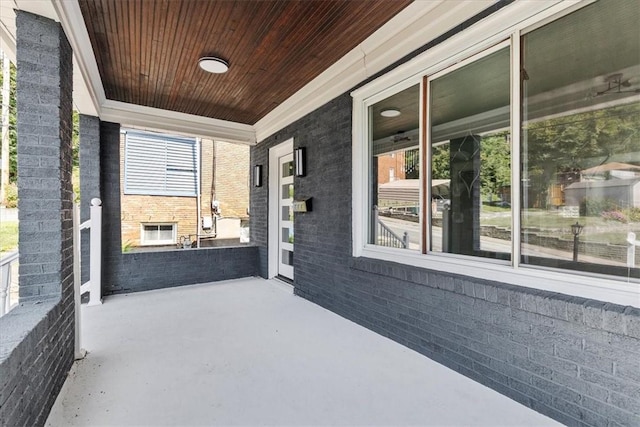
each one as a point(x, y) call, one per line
point(163, 177)
point(625, 193)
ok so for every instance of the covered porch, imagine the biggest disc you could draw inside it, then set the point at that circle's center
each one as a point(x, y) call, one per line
point(249, 352)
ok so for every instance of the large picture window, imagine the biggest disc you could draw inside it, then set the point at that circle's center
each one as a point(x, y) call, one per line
point(581, 139)
point(524, 149)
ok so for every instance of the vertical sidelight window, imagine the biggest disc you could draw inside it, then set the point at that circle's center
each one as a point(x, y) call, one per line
point(470, 158)
point(394, 171)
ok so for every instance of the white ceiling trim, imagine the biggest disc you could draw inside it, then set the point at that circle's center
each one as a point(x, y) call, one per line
point(414, 26)
point(172, 121)
point(91, 99)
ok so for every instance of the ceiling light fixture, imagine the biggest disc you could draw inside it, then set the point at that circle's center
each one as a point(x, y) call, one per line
point(390, 112)
point(212, 64)
point(615, 83)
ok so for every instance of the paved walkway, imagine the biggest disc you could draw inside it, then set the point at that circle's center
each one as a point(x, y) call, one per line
point(248, 352)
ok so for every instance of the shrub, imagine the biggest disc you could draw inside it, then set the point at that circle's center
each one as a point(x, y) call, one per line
point(633, 214)
point(11, 196)
point(595, 207)
point(614, 216)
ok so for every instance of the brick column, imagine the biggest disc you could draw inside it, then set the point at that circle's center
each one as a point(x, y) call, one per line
point(110, 185)
point(45, 83)
point(89, 178)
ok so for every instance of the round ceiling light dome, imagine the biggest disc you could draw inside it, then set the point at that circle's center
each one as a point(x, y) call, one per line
point(390, 112)
point(212, 64)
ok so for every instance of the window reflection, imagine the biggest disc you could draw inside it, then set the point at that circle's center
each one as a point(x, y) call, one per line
point(394, 171)
point(581, 139)
point(470, 159)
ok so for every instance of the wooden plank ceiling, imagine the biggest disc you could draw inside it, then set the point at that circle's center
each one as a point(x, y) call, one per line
point(147, 50)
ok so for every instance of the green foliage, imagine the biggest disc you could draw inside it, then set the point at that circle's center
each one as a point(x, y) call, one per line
point(11, 196)
point(633, 214)
point(566, 145)
point(127, 247)
point(495, 170)
point(8, 236)
point(13, 134)
point(75, 140)
point(595, 207)
point(440, 162)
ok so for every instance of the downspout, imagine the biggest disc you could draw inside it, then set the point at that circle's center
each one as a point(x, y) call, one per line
point(198, 212)
point(213, 205)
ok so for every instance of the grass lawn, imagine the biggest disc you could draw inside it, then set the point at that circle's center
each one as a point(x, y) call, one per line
point(8, 236)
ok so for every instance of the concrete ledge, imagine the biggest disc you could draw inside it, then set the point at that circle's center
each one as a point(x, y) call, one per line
point(28, 384)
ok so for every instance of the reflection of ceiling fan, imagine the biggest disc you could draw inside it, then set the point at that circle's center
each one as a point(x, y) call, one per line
point(616, 84)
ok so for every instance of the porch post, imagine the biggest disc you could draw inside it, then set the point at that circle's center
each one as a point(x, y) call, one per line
point(44, 98)
point(89, 179)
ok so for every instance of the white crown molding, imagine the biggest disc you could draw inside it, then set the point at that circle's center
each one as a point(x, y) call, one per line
point(410, 29)
point(172, 121)
point(90, 94)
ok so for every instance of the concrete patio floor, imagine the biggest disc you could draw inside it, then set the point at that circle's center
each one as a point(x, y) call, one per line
point(249, 352)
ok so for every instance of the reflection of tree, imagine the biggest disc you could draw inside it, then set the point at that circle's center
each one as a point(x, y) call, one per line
point(495, 170)
point(555, 150)
point(440, 162)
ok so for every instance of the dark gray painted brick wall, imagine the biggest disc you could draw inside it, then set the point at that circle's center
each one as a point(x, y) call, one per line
point(89, 179)
point(572, 359)
point(130, 272)
point(37, 340)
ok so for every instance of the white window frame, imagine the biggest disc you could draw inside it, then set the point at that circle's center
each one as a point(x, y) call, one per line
point(174, 234)
point(506, 24)
point(162, 189)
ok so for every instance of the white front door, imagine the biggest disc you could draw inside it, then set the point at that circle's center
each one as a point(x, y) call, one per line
point(285, 216)
point(281, 210)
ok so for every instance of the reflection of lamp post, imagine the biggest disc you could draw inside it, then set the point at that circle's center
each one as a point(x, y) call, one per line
point(576, 229)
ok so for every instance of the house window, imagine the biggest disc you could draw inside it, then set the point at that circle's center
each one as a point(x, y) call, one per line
point(528, 148)
point(470, 156)
point(158, 234)
point(394, 195)
point(159, 165)
point(581, 140)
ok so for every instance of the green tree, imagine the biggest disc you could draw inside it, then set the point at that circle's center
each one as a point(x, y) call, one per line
point(13, 135)
point(562, 147)
point(495, 168)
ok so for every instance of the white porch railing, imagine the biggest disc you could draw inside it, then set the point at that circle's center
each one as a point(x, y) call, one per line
point(94, 224)
point(385, 236)
point(631, 249)
point(93, 286)
point(6, 264)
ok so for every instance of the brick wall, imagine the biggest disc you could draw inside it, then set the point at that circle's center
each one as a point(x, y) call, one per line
point(573, 359)
point(37, 337)
point(232, 178)
point(130, 272)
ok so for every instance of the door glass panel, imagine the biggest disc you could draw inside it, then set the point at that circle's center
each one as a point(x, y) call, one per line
point(470, 159)
point(287, 257)
point(287, 213)
point(287, 191)
point(287, 235)
point(287, 169)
